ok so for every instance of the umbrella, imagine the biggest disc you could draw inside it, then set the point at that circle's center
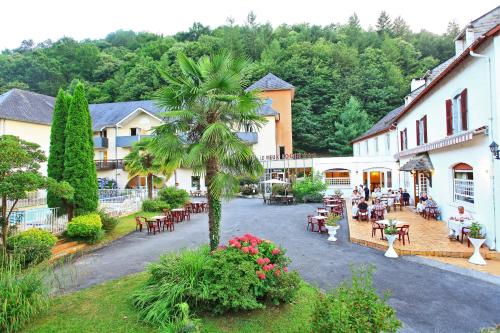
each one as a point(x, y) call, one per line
point(274, 181)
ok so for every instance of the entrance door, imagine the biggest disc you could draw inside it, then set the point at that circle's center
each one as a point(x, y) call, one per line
point(420, 185)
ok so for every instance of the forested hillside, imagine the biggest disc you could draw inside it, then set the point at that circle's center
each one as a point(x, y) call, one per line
point(344, 74)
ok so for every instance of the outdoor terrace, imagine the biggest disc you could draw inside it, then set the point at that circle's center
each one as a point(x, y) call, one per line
point(427, 237)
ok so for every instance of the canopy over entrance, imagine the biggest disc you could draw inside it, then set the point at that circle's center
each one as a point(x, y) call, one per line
point(419, 163)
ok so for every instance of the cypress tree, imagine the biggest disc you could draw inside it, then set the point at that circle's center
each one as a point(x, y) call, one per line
point(79, 167)
point(55, 166)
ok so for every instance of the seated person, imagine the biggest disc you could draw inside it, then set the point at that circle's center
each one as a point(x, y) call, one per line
point(421, 202)
point(355, 193)
point(362, 205)
point(458, 221)
point(377, 206)
point(406, 197)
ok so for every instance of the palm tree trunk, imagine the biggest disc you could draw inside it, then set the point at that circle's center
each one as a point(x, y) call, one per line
point(150, 186)
point(214, 205)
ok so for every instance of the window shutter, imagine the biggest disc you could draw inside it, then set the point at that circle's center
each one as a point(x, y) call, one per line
point(418, 132)
point(463, 108)
point(401, 140)
point(449, 118)
point(425, 129)
point(406, 138)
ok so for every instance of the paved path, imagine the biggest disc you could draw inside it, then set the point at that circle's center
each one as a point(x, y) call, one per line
point(427, 299)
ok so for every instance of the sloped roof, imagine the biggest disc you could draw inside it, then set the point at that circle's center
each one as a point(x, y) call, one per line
point(27, 106)
point(270, 82)
point(381, 125)
point(419, 163)
point(110, 114)
point(22, 105)
point(483, 23)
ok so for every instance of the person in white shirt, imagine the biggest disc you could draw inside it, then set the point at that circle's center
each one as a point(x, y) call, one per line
point(458, 221)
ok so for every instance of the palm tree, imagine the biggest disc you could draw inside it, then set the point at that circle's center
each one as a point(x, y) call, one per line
point(142, 162)
point(206, 104)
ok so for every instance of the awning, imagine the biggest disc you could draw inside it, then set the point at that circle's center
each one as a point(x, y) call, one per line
point(419, 163)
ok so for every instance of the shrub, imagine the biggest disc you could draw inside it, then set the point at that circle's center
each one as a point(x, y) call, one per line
point(174, 280)
point(249, 190)
point(23, 295)
point(86, 227)
point(154, 205)
point(108, 222)
point(31, 246)
point(247, 274)
point(173, 196)
point(309, 189)
point(355, 308)
point(281, 189)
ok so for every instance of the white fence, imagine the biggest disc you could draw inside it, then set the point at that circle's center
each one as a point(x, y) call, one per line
point(119, 202)
point(33, 199)
point(338, 181)
point(41, 218)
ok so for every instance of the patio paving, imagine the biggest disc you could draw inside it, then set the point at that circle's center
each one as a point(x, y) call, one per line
point(427, 237)
point(426, 298)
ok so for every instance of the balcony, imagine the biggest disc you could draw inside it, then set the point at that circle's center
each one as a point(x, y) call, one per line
point(129, 140)
point(248, 137)
point(100, 142)
point(108, 164)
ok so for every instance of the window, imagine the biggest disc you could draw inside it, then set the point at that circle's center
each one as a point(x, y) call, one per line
point(376, 144)
point(389, 179)
point(195, 182)
point(456, 113)
point(104, 133)
point(366, 146)
point(359, 149)
point(282, 152)
point(337, 177)
point(404, 139)
point(388, 141)
point(463, 183)
point(422, 131)
point(134, 131)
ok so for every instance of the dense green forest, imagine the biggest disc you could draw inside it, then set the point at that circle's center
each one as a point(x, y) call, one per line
point(346, 77)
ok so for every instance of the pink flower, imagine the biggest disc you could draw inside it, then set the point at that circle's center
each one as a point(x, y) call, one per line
point(267, 267)
point(285, 269)
point(277, 272)
point(276, 251)
point(253, 250)
point(267, 260)
point(245, 249)
point(221, 247)
point(261, 275)
point(237, 245)
point(261, 261)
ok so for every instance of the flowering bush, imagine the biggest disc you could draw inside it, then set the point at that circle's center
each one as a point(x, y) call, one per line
point(248, 273)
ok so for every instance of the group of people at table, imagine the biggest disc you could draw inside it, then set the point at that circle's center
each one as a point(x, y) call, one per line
point(331, 205)
point(458, 223)
point(159, 223)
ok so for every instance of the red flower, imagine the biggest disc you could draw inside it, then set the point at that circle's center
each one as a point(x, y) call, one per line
point(261, 275)
point(267, 260)
point(261, 261)
point(276, 251)
point(267, 267)
point(253, 250)
point(245, 249)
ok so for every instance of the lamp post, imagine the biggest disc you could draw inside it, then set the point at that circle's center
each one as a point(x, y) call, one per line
point(494, 150)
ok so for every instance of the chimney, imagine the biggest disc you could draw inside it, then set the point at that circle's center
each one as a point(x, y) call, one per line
point(459, 47)
point(416, 83)
point(469, 36)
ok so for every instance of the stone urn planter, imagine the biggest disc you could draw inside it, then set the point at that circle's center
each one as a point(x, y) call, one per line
point(332, 231)
point(476, 257)
point(391, 253)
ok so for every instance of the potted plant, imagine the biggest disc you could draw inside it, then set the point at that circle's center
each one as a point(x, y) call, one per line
point(391, 232)
point(331, 223)
point(477, 239)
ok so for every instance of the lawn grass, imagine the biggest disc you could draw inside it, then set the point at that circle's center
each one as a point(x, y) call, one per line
point(126, 224)
point(108, 308)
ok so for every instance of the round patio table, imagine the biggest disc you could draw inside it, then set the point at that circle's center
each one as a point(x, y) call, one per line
point(178, 214)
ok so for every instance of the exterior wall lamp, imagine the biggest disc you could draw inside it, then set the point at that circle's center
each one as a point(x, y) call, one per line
point(494, 150)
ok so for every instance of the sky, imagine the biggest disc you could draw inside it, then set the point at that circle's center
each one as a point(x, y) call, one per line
point(52, 19)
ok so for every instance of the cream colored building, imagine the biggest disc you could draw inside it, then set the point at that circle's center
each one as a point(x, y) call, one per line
point(117, 126)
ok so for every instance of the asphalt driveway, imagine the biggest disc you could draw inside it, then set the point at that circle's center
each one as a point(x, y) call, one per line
point(427, 299)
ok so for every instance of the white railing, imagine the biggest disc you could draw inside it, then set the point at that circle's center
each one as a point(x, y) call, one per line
point(463, 190)
point(338, 181)
point(121, 195)
point(41, 218)
point(126, 207)
point(33, 199)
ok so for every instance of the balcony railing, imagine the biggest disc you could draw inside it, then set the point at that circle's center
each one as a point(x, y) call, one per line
point(129, 140)
point(108, 164)
point(100, 142)
point(338, 181)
